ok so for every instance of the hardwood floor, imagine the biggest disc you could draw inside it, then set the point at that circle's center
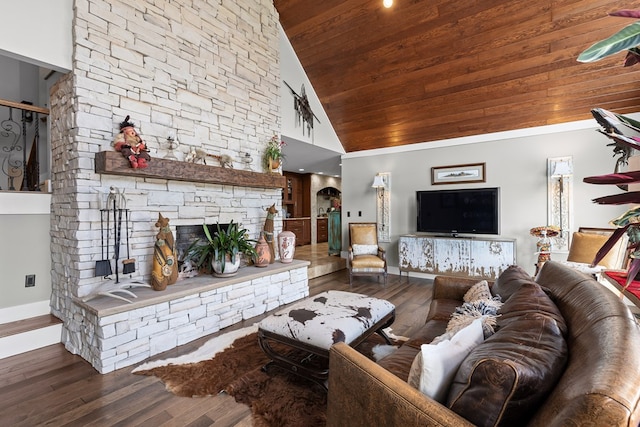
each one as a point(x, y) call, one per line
point(50, 386)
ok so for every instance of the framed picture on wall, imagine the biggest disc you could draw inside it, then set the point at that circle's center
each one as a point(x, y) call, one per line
point(458, 174)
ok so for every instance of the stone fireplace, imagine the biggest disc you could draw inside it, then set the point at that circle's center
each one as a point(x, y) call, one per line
point(214, 85)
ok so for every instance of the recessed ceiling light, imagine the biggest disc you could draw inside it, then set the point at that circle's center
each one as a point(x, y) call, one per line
point(387, 3)
point(301, 170)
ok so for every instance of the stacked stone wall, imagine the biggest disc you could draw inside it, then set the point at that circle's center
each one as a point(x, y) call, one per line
point(205, 73)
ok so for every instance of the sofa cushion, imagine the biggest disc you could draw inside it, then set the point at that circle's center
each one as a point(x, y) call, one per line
point(504, 380)
point(530, 298)
point(435, 365)
point(509, 282)
point(441, 309)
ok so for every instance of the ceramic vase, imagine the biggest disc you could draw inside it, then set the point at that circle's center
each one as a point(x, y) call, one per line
point(230, 268)
point(287, 246)
point(263, 258)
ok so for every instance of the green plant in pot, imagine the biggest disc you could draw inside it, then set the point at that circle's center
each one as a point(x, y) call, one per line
point(273, 154)
point(223, 250)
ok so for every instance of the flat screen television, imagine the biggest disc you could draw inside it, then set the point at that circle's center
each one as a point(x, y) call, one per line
point(465, 211)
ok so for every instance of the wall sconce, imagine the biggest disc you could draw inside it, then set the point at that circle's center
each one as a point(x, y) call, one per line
point(560, 173)
point(387, 3)
point(383, 211)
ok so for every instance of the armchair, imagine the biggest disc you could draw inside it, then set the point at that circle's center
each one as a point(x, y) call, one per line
point(366, 258)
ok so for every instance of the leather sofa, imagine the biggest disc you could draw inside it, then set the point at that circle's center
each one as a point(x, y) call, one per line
point(594, 377)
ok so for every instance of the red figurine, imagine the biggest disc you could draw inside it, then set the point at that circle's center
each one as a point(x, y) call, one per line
point(132, 147)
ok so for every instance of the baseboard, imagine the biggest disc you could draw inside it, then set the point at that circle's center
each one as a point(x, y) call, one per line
point(31, 340)
point(24, 311)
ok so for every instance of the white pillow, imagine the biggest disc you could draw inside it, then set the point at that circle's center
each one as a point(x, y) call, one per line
point(434, 368)
point(365, 249)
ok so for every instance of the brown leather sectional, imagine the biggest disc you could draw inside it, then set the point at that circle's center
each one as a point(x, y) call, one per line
point(566, 352)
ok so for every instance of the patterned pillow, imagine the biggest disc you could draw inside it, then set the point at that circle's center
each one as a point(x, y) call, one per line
point(478, 291)
point(365, 249)
point(486, 310)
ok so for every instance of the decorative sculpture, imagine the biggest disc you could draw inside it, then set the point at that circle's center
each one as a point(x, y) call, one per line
point(165, 265)
point(268, 230)
point(132, 147)
point(197, 155)
point(303, 109)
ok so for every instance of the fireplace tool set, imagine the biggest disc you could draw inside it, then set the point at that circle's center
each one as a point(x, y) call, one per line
point(116, 206)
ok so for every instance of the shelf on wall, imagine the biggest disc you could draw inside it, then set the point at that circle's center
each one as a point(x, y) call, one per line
point(113, 163)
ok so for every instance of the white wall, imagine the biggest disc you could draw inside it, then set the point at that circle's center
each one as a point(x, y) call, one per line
point(38, 32)
point(291, 71)
point(517, 165)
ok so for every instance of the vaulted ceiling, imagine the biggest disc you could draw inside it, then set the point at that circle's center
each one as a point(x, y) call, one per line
point(428, 70)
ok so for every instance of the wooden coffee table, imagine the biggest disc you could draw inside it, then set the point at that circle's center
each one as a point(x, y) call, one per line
point(313, 325)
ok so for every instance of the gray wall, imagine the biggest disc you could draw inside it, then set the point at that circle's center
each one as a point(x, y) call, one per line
point(517, 165)
point(25, 250)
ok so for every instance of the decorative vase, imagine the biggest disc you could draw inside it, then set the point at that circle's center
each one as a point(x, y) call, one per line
point(230, 268)
point(263, 258)
point(274, 164)
point(287, 246)
point(543, 246)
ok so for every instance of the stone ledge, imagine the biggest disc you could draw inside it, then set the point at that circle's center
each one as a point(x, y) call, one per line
point(106, 306)
point(113, 163)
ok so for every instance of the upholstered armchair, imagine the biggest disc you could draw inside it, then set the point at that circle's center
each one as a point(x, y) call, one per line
point(366, 258)
point(585, 244)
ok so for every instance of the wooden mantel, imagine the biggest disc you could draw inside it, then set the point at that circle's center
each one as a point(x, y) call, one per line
point(113, 163)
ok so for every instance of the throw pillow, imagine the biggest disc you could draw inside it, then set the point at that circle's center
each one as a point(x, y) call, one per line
point(435, 365)
point(506, 378)
point(478, 291)
point(531, 298)
point(364, 249)
point(509, 282)
point(485, 310)
point(585, 246)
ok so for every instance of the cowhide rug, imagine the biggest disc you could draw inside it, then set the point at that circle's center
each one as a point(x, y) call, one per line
point(233, 362)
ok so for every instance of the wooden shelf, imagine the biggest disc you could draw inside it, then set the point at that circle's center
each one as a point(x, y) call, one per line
point(113, 163)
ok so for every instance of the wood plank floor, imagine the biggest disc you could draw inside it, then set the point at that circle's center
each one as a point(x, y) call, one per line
point(52, 387)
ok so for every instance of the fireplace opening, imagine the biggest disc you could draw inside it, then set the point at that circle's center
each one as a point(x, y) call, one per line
point(187, 234)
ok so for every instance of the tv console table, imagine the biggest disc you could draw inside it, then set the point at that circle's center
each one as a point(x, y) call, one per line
point(481, 257)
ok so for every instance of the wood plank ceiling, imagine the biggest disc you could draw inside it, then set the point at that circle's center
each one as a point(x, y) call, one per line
point(431, 70)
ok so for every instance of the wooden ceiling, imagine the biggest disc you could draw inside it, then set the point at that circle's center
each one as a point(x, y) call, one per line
point(431, 70)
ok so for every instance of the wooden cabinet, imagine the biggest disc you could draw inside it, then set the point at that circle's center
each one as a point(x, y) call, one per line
point(295, 196)
point(322, 230)
point(479, 257)
point(301, 227)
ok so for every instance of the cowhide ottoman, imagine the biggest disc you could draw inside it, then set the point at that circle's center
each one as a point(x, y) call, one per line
point(312, 326)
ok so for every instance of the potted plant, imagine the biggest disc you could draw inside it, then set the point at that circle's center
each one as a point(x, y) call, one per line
point(273, 155)
point(223, 250)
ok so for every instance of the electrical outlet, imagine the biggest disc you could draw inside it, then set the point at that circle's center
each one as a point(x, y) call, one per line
point(29, 280)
